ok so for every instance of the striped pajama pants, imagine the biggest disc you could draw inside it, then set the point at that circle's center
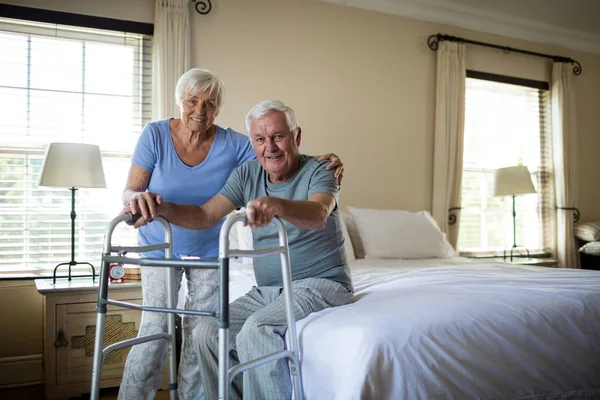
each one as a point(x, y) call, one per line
point(257, 328)
point(145, 362)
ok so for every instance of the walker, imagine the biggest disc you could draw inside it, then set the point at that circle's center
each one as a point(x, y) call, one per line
point(115, 254)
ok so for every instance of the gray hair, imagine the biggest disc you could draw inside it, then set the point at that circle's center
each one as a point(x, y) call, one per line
point(266, 106)
point(198, 80)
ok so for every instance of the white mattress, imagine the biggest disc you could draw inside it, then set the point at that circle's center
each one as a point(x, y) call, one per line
point(456, 328)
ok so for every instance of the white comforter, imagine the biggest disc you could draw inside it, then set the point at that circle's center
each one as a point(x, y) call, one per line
point(456, 329)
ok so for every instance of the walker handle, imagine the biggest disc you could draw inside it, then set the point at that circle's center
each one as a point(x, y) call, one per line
point(133, 218)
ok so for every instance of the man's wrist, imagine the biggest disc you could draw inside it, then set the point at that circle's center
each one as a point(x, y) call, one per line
point(280, 206)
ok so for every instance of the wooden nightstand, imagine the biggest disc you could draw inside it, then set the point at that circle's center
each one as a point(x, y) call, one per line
point(69, 329)
point(538, 262)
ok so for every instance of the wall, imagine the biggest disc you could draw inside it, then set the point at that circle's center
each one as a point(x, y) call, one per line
point(20, 333)
point(363, 86)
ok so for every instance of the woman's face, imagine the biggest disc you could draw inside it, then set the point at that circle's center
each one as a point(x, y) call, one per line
point(198, 111)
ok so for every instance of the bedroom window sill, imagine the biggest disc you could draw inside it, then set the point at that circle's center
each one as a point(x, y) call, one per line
point(538, 254)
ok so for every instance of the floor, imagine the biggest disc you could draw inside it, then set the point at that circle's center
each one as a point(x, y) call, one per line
point(37, 393)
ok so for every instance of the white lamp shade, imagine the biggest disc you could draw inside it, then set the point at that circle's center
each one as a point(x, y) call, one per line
point(513, 180)
point(72, 165)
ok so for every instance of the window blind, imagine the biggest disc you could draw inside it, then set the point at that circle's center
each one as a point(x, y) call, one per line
point(65, 84)
point(505, 125)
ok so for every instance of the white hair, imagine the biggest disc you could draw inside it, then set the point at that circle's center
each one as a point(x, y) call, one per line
point(198, 80)
point(266, 106)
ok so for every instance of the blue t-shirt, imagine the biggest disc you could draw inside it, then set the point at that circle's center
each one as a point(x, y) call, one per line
point(314, 253)
point(181, 184)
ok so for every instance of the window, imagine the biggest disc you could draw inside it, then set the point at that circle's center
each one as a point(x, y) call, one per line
point(65, 84)
point(505, 125)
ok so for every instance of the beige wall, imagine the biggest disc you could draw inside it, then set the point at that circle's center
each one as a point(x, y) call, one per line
point(362, 83)
point(363, 86)
point(21, 319)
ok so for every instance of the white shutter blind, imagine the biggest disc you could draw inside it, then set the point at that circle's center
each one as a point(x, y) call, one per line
point(505, 125)
point(65, 84)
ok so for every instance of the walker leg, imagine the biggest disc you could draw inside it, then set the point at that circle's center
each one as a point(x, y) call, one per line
point(224, 329)
point(171, 346)
point(99, 339)
point(291, 318)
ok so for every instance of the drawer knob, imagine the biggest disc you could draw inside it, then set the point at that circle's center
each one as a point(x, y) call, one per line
point(60, 339)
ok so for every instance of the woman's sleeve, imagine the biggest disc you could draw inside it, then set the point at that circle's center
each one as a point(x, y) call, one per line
point(245, 150)
point(145, 153)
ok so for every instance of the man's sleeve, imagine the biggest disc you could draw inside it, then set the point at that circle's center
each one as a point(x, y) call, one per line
point(323, 181)
point(145, 153)
point(234, 187)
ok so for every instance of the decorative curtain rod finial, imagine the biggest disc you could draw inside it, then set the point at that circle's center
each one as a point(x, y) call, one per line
point(203, 6)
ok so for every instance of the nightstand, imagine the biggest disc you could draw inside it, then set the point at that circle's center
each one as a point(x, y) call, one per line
point(69, 329)
point(538, 262)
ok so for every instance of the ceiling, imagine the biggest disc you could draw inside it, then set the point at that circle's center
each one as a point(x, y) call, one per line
point(580, 15)
point(572, 24)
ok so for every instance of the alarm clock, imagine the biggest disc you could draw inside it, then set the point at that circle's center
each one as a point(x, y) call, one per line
point(116, 272)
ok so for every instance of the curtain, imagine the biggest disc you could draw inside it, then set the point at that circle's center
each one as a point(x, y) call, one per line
point(449, 136)
point(564, 137)
point(170, 54)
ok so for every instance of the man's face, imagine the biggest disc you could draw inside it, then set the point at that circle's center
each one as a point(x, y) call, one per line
point(276, 148)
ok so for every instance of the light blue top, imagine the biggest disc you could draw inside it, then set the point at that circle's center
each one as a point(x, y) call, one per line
point(314, 253)
point(181, 184)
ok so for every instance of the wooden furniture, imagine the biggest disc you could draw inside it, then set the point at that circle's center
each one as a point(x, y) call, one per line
point(69, 329)
point(538, 262)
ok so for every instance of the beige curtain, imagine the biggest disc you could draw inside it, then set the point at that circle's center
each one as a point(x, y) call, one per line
point(170, 54)
point(449, 136)
point(564, 137)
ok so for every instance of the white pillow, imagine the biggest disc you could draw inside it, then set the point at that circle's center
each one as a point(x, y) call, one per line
point(592, 248)
point(347, 242)
point(245, 240)
point(588, 231)
point(357, 246)
point(400, 234)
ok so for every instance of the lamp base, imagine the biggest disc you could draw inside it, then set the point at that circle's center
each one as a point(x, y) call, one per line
point(70, 264)
point(512, 249)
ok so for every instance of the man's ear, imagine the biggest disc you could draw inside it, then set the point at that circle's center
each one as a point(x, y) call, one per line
point(298, 137)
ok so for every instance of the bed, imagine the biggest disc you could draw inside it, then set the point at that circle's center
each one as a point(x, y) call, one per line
point(425, 324)
point(455, 328)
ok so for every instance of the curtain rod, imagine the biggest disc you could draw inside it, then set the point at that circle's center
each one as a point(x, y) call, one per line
point(203, 6)
point(433, 41)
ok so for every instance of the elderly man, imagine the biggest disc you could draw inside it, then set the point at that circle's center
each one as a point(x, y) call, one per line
point(296, 188)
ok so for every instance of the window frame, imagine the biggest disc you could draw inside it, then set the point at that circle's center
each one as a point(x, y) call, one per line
point(541, 86)
point(27, 14)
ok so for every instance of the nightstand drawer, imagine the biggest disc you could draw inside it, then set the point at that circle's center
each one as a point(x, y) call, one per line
point(78, 322)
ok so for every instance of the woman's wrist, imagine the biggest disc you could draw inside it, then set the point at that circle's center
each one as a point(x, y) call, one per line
point(129, 195)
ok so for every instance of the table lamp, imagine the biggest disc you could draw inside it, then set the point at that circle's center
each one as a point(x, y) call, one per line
point(72, 165)
point(512, 181)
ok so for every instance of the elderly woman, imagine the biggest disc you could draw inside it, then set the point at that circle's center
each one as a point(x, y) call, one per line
point(182, 160)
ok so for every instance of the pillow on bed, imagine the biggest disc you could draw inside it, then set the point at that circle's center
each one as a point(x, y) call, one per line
point(400, 234)
point(591, 248)
point(588, 231)
point(357, 246)
point(245, 240)
point(347, 242)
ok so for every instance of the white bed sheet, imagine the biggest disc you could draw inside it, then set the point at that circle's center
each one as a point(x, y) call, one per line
point(456, 328)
